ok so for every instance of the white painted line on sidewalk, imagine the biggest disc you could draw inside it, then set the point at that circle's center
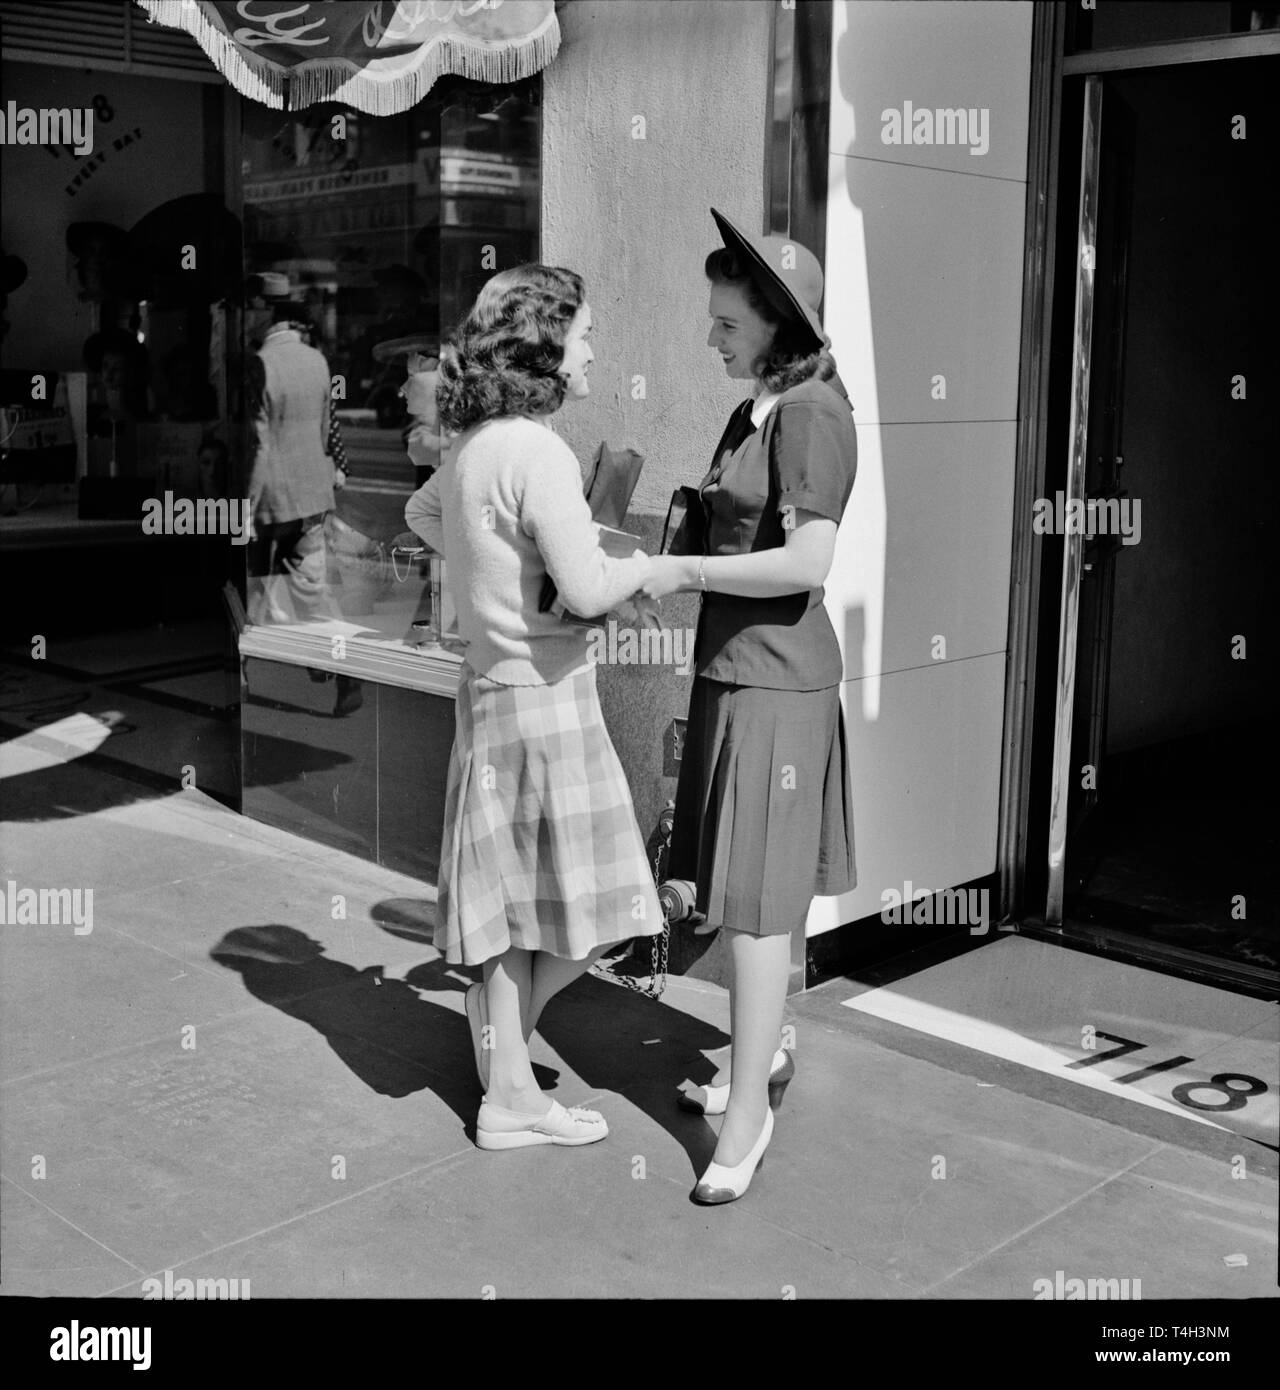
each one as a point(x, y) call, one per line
point(983, 1036)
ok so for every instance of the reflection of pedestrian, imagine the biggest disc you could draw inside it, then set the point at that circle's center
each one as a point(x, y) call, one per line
point(416, 354)
point(291, 486)
point(401, 312)
point(291, 482)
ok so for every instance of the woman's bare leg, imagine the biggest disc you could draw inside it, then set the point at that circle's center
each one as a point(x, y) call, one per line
point(551, 974)
point(507, 986)
point(761, 967)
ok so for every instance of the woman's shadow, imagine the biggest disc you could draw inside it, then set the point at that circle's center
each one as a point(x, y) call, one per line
point(392, 1038)
point(396, 1042)
point(613, 1038)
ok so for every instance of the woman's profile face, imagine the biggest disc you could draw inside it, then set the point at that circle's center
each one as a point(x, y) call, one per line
point(578, 355)
point(738, 333)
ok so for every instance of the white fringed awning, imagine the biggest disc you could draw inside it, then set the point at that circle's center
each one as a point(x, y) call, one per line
point(379, 56)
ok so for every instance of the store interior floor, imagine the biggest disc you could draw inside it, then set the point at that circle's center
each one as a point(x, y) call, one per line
point(1180, 850)
point(155, 703)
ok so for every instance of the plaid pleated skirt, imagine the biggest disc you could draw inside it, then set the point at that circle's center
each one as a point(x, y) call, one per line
point(764, 811)
point(541, 849)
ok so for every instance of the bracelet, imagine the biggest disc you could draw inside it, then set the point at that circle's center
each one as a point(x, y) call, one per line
point(702, 574)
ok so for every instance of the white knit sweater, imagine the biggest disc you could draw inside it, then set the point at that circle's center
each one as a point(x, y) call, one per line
point(505, 509)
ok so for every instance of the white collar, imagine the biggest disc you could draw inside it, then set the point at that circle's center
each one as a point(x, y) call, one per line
point(764, 403)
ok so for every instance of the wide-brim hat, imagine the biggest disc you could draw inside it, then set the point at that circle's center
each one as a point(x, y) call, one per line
point(401, 349)
point(274, 287)
point(787, 273)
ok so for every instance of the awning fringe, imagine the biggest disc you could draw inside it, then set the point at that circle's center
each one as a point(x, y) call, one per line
point(341, 80)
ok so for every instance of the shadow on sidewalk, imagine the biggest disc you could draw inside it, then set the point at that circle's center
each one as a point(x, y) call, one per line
point(399, 1043)
point(396, 1042)
point(613, 1038)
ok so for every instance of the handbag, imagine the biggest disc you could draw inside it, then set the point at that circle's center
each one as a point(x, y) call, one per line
point(685, 529)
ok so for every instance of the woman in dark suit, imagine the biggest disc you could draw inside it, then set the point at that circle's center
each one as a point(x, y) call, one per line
point(764, 819)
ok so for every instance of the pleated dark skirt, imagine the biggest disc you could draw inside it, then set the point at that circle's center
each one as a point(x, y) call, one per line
point(764, 813)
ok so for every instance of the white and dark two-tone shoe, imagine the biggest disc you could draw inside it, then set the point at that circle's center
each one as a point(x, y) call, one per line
point(711, 1100)
point(720, 1183)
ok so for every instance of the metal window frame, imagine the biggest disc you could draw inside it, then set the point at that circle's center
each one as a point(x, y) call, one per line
point(798, 123)
point(1175, 51)
point(796, 152)
point(1030, 450)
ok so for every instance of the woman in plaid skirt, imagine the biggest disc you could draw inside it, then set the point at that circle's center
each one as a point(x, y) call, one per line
point(542, 865)
point(764, 815)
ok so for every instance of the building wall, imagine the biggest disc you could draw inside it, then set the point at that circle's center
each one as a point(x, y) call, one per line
point(924, 270)
point(632, 216)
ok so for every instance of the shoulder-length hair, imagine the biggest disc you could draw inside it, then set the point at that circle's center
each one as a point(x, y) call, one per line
point(504, 357)
point(791, 357)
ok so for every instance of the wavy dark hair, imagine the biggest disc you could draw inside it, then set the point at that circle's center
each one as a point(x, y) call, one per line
point(791, 358)
point(504, 357)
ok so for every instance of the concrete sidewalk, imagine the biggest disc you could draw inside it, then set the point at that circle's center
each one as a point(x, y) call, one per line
point(228, 1078)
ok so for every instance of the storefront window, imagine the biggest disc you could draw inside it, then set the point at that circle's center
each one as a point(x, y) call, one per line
point(1140, 22)
point(370, 237)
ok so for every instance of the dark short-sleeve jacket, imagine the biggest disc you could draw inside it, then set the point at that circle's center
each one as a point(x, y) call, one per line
point(804, 457)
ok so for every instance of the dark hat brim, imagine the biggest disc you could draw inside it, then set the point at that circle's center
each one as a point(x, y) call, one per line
point(774, 288)
point(390, 349)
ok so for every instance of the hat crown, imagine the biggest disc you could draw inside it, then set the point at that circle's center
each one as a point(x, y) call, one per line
point(797, 265)
point(788, 274)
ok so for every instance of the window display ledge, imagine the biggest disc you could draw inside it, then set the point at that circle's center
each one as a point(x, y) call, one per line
point(428, 667)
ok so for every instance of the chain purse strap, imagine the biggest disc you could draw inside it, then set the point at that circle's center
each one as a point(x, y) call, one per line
point(660, 944)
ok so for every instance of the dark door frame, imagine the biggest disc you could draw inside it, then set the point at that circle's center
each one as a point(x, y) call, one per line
point(1029, 679)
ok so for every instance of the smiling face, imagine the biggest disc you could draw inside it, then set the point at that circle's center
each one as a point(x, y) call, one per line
point(578, 355)
point(738, 333)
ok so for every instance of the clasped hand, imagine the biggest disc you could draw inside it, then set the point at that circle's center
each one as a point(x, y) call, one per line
point(668, 574)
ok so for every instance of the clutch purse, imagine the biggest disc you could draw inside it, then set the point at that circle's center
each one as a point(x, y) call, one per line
point(684, 532)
